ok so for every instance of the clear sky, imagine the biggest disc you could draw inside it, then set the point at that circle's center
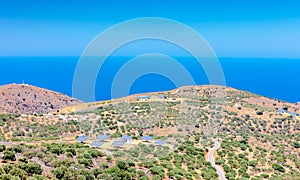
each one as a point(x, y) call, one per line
point(234, 28)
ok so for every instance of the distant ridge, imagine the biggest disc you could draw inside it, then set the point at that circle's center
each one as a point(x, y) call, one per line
point(27, 99)
point(188, 92)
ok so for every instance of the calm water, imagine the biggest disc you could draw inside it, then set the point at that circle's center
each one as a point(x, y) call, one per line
point(276, 78)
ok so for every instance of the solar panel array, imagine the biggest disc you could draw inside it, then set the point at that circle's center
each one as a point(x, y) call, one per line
point(118, 143)
point(125, 138)
point(142, 97)
point(97, 143)
point(102, 137)
point(82, 138)
point(160, 142)
point(290, 113)
point(146, 138)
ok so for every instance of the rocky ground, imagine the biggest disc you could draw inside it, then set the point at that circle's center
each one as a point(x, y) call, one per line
point(23, 99)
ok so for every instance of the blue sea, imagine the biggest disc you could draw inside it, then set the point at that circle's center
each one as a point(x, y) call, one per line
point(274, 78)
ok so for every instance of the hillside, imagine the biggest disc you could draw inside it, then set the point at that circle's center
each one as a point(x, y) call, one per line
point(23, 98)
point(259, 137)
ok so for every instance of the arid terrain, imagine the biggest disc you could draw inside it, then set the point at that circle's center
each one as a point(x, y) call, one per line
point(24, 98)
point(259, 137)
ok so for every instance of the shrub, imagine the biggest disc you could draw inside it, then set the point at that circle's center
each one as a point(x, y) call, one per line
point(71, 150)
point(253, 163)
point(59, 172)
point(6, 168)
point(122, 129)
point(104, 176)
point(29, 154)
point(117, 134)
point(57, 150)
point(38, 177)
point(85, 161)
point(2, 148)
point(108, 158)
point(278, 167)
point(31, 168)
point(18, 149)
point(104, 165)
point(140, 132)
point(8, 177)
point(70, 155)
point(158, 170)
point(94, 153)
point(19, 173)
point(96, 171)
point(9, 155)
point(296, 145)
point(88, 175)
point(259, 113)
point(122, 165)
point(23, 159)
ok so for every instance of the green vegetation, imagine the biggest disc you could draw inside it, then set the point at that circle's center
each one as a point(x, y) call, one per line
point(256, 142)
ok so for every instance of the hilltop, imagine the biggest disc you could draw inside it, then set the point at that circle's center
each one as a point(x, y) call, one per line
point(194, 104)
point(24, 98)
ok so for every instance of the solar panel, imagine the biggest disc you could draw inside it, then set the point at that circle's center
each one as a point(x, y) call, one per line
point(146, 138)
point(118, 143)
point(292, 114)
point(102, 137)
point(161, 96)
point(160, 142)
point(97, 143)
point(142, 97)
point(281, 111)
point(82, 138)
point(125, 138)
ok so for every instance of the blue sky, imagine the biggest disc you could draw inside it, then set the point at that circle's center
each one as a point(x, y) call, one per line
point(234, 28)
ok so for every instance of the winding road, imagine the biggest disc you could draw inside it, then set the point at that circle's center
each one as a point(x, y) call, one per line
point(211, 159)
